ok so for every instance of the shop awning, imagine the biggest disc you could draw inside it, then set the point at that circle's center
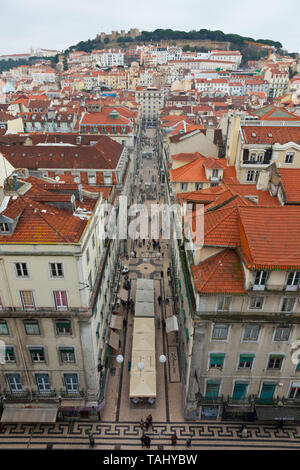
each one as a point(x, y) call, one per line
point(171, 324)
point(116, 322)
point(32, 414)
point(269, 413)
point(114, 340)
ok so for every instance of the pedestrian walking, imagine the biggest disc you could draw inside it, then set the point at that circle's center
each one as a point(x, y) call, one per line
point(280, 425)
point(162, 273)
point(149, 420)
point(188, 442)
point(163, 322)
point(174, 439)
point(147, 441)
point(142, 424)
point(143, 440)
point(159, 299)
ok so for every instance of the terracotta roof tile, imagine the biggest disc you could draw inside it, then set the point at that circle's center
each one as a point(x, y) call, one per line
point(221, 273)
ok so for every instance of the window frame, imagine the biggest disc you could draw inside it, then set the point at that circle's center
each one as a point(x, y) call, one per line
point(55, 264)
point(258, 332)
point(20, 266)
point(256, 297)
point(219, 325)
point(31, 321)
point(63, 321)
point(32, 349)
point(282, 328)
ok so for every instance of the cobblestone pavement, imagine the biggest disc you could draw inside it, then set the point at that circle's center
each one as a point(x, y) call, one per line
point(126, 436)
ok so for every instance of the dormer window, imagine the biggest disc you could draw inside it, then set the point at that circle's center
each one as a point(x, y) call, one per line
point(289, 157)
point(4, 227)
point(253, 134)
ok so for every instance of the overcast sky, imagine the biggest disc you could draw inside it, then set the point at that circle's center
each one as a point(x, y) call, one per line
point(58, 24)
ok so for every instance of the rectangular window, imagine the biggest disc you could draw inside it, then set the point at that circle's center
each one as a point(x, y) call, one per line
point(287, 304)
point(21, 269)
point(71, 383)
point(295, 390)
point(293, 280)
point(67, 354)
point(107, 178)
point(14, 382)
point(56, 269)
point(3, 327)
point(32, 327)
point(183, 186)
point(63, 327)
point(256, 303)
point(198, 186)
point(212, 389)
point(282, 333)
point(240, 390)
point(216, 360)
point(289, 157)
point(275, 362)
point(27, 299)
point(4, 227)
point(93, 241)
point(42, 382)
point(92, 178)
point(10, 354)
point(87, 256)
point(251, 332)
point(224, 303)
point(37, 354)
point(260, 157)
point(220, 332)
point(246, 361)
point(215, 173)
point(60, 298)
point(260, 280)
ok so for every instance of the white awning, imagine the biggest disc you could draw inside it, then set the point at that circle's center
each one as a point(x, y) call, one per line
point(32, 414)
point(143, 381)
point(144, 296)
point(114, 340)
point(171, 324)
point(144, 309)
point(145, 284)
point(116, 322)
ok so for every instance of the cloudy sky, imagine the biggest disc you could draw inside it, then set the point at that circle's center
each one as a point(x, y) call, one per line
point(58, 24)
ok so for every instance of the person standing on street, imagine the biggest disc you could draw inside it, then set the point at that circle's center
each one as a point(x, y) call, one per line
point(174, 439)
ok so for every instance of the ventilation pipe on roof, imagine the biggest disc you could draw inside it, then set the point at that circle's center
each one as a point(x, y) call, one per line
point(15, 180)
point(80, 192)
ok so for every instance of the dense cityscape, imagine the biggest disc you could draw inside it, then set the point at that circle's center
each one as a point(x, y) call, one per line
point(149, 244)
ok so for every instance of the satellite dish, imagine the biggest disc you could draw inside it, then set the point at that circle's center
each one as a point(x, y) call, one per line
point(56, 178)
point(140, 366)
point(162, 359)
point(120, 359)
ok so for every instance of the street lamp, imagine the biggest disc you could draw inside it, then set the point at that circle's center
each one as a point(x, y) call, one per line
point(120, 359)
point(162, 359)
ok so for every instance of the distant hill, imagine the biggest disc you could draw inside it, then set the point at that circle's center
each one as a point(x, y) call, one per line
point(203, 35)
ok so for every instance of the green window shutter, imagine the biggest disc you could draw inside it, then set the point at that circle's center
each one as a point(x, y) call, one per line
point(217, 359)
point(246, 357)
point(181, 298)
point(179, 283)
point(187, 334)
point(212, 389)
point(298, 366)
point(62, 325)
point(184, 314)
point(239, 392)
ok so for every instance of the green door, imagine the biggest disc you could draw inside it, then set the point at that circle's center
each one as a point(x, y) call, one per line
point(239, 392)
point(267, 391)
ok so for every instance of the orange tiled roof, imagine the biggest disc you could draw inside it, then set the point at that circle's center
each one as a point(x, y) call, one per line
point(270, 237)
point(221, 273)
point(290, 179)
point(263, 134)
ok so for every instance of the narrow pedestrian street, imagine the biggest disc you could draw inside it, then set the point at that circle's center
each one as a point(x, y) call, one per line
point(119, 427)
